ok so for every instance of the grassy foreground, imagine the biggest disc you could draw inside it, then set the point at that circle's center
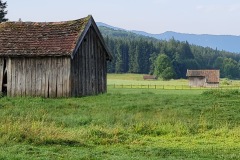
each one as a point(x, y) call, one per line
point(123, 124)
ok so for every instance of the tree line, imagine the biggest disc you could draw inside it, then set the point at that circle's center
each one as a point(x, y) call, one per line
point(134, 53)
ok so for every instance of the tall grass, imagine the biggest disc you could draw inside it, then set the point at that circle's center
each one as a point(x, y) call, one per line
point(137, 125)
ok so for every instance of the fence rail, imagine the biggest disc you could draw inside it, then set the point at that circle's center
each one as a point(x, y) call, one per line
point(172, 87)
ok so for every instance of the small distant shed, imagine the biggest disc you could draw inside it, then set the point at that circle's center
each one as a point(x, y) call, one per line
point(53, 59)
point(149, 77)
point(203, 78)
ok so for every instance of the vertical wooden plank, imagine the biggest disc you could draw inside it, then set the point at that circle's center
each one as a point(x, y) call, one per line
point(47, 76)
point(80, 70)
point(16, 93)
point(33, 77)
point(76, 70)
point(54, 77)
point(72, 77)
point(64, 76)
point(96, 62)
point(105, 71)
point(28, 77)
point(59, 77)
point(24, 76)
point(68, 76)
point(20, 76)
point(37, 67)
point(103, 68)
point(50, 70)
point(51, 78)
point(88, 61)
point(43, 76)
point(15, 86)
point(77, 73)
point(92, 63)
point(1, 73)
point(83, 60)
point(39, 76)
point(100, 70)
point(98, 67)
point(12, 77)
point(15, 89)
point(9, 77)
point(86, 64)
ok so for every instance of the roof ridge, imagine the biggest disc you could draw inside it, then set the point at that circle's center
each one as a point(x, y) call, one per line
point(35, 23)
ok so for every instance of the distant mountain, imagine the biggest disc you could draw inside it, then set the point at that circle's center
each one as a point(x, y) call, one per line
point(106, 25)
point(221, 42)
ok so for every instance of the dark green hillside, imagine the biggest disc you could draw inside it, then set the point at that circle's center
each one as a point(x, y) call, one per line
point(134, 53)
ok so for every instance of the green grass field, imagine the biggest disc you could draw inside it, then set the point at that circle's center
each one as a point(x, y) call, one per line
point(123, 124)
point(137, 79)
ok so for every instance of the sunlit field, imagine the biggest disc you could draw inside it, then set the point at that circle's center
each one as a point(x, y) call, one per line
point(137, 79)
point(124, 124)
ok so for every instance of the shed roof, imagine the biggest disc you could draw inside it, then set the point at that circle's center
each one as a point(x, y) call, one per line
point(44, 38)
point(212, 76)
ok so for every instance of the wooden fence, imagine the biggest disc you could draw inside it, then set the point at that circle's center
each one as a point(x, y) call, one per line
point(172, 87)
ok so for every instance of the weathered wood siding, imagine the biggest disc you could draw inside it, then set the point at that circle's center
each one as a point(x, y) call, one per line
point(201, 82)
point(1, 73)
point(197, 81)
point(89, 67)
point(45, 77)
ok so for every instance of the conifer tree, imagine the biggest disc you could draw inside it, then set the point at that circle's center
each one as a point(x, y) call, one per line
point(3, 12)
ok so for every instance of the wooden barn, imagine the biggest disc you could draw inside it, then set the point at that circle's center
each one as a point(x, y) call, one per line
point(203, 78)
point(53, 59)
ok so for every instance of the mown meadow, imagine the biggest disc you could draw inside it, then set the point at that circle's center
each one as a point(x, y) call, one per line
point(123, 124)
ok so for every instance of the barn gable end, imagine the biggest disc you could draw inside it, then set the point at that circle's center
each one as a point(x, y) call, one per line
point(52, 59)
point(88, 67)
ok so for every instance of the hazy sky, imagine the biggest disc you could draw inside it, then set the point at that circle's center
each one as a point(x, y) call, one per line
point(153, 16)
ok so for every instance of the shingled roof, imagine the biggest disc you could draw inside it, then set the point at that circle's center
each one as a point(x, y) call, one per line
point(212, 76)
point(44, 38)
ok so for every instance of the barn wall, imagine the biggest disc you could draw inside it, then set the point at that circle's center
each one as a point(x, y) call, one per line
point(45, 77)
point(1, 73)
point(201, 82)
point(197, 81)
point(89, 67)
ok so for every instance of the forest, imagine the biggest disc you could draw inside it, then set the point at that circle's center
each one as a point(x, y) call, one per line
point(133, 53)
